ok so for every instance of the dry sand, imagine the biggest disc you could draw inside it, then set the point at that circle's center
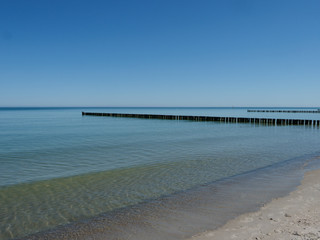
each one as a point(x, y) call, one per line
point(296, 216)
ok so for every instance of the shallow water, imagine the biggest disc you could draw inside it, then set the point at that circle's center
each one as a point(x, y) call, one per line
point(58, 167)
point(186, 213)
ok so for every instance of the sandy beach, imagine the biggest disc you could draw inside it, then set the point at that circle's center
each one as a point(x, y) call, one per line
point(296, 216)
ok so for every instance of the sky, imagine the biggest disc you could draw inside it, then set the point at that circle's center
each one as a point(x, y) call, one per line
point(160, 53)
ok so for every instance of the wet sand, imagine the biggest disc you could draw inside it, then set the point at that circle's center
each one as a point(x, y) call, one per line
point(187, 213)
point(296, 216)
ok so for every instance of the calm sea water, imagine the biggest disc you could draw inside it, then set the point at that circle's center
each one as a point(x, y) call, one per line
point(58, 168)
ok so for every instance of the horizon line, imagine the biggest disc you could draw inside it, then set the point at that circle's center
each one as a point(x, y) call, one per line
point(156, 107)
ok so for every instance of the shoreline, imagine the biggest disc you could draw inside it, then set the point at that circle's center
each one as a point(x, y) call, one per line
point(296, 216)
point(191, 212)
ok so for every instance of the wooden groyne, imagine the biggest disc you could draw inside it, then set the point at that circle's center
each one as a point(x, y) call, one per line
point(284, 111)
point(265, 121)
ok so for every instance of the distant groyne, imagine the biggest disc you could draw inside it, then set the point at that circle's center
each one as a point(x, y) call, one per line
point(264, 121)
point(284, 111)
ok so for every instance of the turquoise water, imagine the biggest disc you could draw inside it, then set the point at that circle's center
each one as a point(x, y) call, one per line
point(57, 167)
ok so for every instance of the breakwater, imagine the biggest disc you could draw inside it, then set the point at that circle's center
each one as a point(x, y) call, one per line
point(264, 121)
point(284, 111)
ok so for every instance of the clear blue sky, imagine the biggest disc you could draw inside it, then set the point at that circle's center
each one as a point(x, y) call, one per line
point(160, 53)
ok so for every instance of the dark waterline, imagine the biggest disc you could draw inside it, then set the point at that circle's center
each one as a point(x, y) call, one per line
point(184, 214)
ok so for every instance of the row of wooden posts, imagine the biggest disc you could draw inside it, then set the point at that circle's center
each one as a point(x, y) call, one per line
point(265, 121)
point(284, 111)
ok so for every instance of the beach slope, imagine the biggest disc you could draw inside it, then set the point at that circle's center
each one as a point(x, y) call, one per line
point(296, 216)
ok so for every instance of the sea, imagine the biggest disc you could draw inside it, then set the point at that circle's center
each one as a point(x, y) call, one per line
point(68, 176)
